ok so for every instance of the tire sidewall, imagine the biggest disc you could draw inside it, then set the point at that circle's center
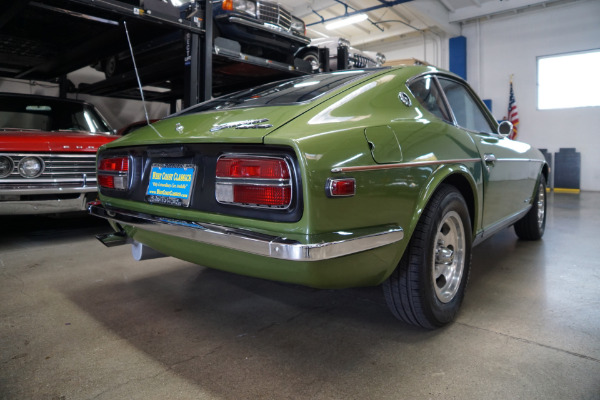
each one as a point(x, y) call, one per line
point(311, 56)
point(437, 312)
point(528, 227)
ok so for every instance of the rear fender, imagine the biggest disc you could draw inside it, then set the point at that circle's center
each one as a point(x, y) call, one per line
point(460, 177)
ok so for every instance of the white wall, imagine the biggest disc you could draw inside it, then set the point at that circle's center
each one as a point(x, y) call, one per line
point(499, 47)
point(426, 46)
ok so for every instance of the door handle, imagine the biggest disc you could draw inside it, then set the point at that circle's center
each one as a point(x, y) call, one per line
point(489, 158)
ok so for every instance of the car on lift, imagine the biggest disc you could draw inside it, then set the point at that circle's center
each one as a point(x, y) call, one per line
point(258, 28)
point(356, 58)
point(263, 28)
point(351, 178)
point(48, 153)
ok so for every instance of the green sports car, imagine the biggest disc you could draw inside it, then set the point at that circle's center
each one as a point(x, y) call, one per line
point(351, 178)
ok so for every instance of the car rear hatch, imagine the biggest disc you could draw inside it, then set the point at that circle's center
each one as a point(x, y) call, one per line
point(247, 125)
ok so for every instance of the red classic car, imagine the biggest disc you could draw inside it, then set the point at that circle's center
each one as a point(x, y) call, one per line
point(48, 153)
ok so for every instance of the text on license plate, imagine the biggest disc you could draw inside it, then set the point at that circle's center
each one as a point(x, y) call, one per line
point(171, 184)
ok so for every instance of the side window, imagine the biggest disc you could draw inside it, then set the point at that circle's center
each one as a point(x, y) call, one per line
point(466, 109)
point(426, 92)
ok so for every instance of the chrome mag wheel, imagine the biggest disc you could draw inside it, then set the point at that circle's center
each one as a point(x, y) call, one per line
point(448, 257)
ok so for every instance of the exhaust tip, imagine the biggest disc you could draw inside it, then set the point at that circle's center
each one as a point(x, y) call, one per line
point(113, 239)
point(141, 252)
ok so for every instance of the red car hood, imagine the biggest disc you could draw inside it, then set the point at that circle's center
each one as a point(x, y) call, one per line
point(63, 142)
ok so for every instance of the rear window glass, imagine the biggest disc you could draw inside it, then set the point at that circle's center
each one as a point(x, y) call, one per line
point(292, 91)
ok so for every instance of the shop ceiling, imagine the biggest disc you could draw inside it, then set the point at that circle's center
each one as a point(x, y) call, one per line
point(391, 19)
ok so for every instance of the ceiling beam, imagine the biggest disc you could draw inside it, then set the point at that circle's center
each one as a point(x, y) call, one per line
point(493, 7)
point(311, 6)
point(435, 15)
point(447, 4)
point(363, 10)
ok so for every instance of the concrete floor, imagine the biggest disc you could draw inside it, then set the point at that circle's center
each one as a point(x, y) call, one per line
point(80, 321)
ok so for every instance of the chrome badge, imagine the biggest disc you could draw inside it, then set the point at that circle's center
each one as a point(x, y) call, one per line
point(247, 124)
point(403, 97)
point(179, 128)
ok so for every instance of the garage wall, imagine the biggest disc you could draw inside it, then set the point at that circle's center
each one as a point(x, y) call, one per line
point(425, 46)
point(499, 47)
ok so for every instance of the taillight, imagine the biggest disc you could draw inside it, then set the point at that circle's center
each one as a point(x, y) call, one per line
point(249, 167)
point(340, 187)
point(113, 173)
point(253, 181)
point(114, 164)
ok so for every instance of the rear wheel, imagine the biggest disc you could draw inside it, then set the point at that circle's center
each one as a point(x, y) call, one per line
point(428, 286)
point(533, 224)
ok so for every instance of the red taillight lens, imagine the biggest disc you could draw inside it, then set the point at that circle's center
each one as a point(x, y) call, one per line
point(106, 181)
point(120, 164)
point(113, 173)
point(264, 195)
point(264, 168)
point(341, 187)
point(254, 181)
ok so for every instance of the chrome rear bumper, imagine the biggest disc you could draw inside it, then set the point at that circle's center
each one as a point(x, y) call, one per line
point(253, 242)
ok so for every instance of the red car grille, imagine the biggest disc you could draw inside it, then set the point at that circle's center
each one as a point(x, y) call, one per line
point(59, 171)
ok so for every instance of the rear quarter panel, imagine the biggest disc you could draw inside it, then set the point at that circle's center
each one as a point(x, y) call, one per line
point(332, 136)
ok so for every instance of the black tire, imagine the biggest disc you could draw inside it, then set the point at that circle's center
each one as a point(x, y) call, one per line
point(427, 287)
point(313, 58)
point(533, 224)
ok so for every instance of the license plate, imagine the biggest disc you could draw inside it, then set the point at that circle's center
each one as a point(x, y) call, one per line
point(171, 184)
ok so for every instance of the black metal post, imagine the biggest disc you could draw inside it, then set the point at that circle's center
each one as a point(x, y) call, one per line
point(206, 54)
point(190, 89)
point(63, 86)
point(198, 62)
point(324, 59)
point(342, 58)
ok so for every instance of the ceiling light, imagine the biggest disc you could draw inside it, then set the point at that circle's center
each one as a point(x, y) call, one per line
point(347, 21)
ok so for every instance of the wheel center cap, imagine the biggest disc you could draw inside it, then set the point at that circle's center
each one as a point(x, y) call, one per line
point(444, 256)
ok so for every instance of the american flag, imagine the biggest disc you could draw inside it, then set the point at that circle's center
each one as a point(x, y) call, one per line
point(513, 115)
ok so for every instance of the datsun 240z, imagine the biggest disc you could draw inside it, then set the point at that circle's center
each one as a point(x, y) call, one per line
point(352, 178)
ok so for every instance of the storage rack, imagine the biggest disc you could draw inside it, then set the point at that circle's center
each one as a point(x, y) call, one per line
point(47, 39)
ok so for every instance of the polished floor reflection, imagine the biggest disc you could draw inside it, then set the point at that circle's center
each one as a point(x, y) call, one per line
point(80, 321)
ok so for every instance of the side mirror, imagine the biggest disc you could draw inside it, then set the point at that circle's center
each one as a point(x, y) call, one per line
point(505, 128)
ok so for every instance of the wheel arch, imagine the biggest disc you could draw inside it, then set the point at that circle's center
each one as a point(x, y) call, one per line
point(459, 177)
point(546, 172)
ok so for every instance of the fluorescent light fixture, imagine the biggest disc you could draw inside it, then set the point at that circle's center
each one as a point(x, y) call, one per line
point(346, 21)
